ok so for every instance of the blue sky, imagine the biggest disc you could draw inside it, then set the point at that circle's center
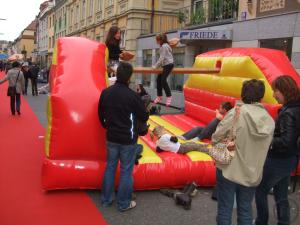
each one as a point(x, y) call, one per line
point(18, 15)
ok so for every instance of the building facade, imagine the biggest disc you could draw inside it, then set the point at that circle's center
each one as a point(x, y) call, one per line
point(24, 44)
point(93, 18)
point(60, 18)
point(3, 46)
point(206, 25)
point(51, 34)
point(42, 33)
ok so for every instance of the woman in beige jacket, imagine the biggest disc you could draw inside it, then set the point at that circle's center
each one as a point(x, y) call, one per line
point(15, 78)
point(254, 129)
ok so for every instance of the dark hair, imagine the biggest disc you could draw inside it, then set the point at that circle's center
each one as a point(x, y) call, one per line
point(110, 38)
point(226, 105)
point(288, 88)
point(15, 64)
point(252, 91)
point(143, 91)
point(124, 72)
point(162, 38)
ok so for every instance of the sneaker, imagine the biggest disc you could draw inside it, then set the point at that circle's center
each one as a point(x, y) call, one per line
point(168, 101)
point(131, 206)
point(158, 99)
point(181, 137)
point(195, 139)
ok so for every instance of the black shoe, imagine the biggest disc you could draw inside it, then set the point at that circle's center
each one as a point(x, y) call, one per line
point(19, 113)
point(13, 113)
point(190, 189)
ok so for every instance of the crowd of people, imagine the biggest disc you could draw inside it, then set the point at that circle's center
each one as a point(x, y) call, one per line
point(266, 151)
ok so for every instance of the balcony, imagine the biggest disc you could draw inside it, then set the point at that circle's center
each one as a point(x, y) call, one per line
point(208, 11)
point(200, 13)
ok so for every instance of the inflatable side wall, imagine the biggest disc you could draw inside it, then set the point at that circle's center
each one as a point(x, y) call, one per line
point(75, 140)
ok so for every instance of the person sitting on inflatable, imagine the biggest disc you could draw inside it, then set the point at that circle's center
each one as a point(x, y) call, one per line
point(206, 132)
point(167, 142)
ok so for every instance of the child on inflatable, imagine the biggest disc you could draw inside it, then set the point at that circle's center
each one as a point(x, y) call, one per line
point(166, 61)
point(206, 132)
point(167, 142)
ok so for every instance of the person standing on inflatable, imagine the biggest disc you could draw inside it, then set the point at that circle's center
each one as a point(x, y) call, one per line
point(165, 60)
point(119, 110)
point(112, 42)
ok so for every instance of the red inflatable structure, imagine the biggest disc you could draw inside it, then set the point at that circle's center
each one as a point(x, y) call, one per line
point(75, 140)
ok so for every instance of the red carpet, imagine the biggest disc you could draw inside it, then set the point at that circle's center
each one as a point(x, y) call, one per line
point(22, 201)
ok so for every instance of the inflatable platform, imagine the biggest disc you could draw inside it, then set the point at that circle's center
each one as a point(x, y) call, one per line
point(75, 140)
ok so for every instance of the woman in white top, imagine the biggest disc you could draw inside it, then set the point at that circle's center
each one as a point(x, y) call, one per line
point(165, 61)
point(167, 142)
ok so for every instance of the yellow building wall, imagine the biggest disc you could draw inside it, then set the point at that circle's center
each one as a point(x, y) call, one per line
point(28, 44)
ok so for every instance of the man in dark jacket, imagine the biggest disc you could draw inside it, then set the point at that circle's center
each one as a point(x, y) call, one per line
point(119, 110)
point(34, 70)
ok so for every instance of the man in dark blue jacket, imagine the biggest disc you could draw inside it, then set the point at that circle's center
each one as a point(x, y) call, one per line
point(119, 110)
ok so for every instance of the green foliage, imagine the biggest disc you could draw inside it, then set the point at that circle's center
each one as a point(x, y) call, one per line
point(181, 17)
point(198, 17)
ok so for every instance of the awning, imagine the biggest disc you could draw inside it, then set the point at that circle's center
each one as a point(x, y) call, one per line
point(3, 56)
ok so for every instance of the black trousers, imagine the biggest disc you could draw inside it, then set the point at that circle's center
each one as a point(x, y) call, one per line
point(34, 86)
point(26, 84)
point(161, 81)
point(15, 103)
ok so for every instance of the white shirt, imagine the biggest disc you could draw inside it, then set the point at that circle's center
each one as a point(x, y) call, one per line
point(165, 144)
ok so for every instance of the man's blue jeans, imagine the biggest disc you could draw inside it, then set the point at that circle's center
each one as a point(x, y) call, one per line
point(126, 154)
point(276, 175)
point(244, 197)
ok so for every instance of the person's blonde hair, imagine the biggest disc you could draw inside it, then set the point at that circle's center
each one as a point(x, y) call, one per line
point(155, 131)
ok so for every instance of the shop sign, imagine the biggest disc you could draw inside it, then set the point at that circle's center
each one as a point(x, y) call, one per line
point(204, 34)
point(268, 5)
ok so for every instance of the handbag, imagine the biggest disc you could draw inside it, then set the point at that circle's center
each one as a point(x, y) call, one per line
point(220, 152)
point(12, 91)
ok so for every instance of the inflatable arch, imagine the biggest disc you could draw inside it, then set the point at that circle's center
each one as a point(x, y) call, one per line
point(75, 140)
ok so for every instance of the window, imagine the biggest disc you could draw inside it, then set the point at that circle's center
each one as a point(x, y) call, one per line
point(177, 81)
point(77, 13)
point(99, 6)
point(283, 44)
point(71, 17)
point(198, 5)
point(83, 9)
point(123, 41)
point(110, 2)
point(198, 13)
point(147, 62)
point(59, 23)
point(91, 7)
